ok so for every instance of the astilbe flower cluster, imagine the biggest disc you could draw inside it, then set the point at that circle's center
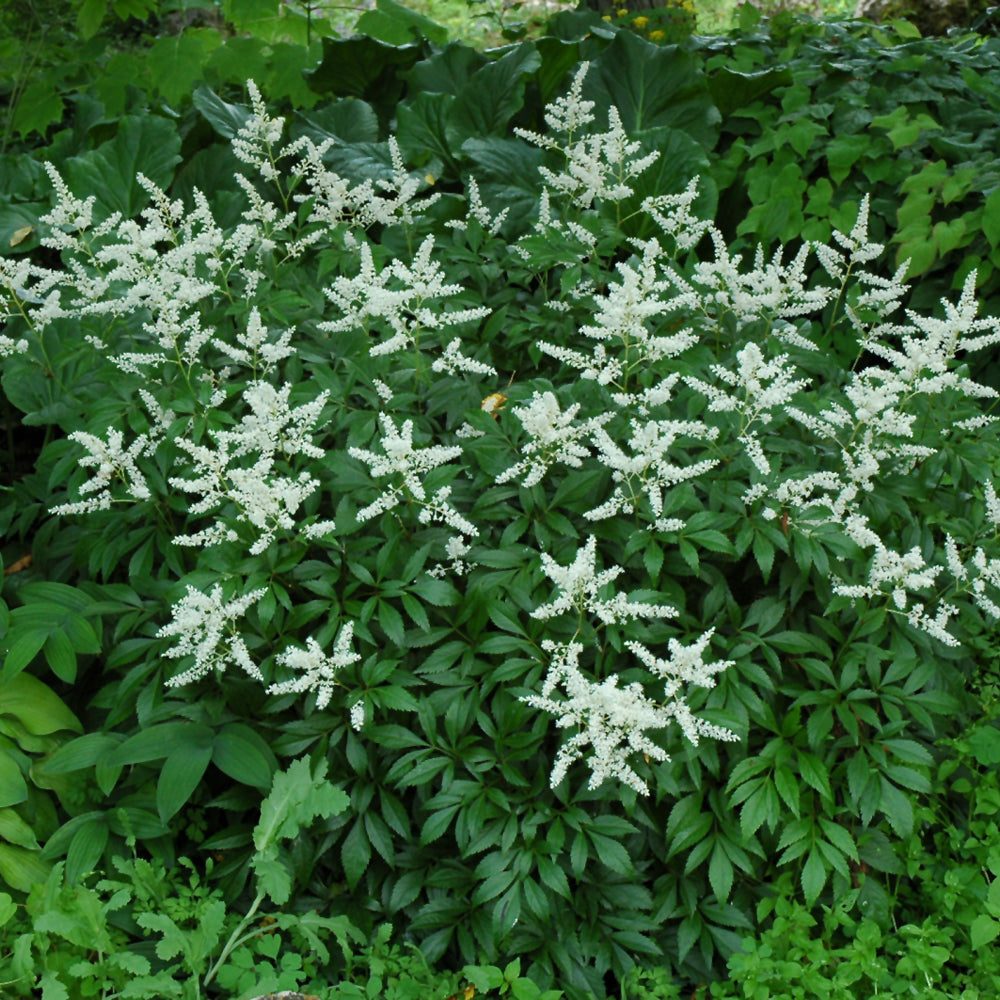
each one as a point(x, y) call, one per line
point(255, 455)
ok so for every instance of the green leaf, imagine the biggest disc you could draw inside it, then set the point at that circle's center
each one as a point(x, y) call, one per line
point(839, 837)
point(35, 624)
point(983, 931)
point(492, 887)
point(89, 17)
point(244, 755)
point(13, 787)
point(86, 848)
point(40, 106)
point(991, 218)
point(144, 144)
point(815, 773)
point(877, 851)
point(897, 808)
point(813, 877)
point(226, 119)
point(15, 830)
point(298, 796)
point(502, 617)
point(157, 742)
point(362, 67)
point(438, 593)
point(507, 170)
point(398, 25)
point(52, 987)
point(61, 656)
point(36, 706)
point(720, 873)
point(611, 853)
point(180, 775)
point(763, 553)
point(347, 120)
point(177, 62)
point(732, 89)
point(911, 752)
point(423, 128)
point(554, 877)
point(493, 96)
point(21, 869)
point(355, 853)
point(653, 85)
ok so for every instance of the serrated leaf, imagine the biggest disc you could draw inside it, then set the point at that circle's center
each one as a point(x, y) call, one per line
point(839, 837)
point(720, 873)
point(298, 796)
point(813, 877)
point(897, 808)
point(355, 853)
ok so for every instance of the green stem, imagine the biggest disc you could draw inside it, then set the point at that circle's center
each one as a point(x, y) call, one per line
point(235, 940)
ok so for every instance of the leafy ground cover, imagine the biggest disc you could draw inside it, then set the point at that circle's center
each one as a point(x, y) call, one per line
point(442, 552)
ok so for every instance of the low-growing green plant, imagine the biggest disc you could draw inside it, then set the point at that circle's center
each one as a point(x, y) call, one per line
point(74, 939)
point(666, 24)
point(398, 475)
point(831, 111)
point(34, 722)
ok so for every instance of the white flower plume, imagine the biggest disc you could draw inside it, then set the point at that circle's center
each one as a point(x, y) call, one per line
point(318, 671)
point(206, 628)
point(579, 586)
point(402, 459)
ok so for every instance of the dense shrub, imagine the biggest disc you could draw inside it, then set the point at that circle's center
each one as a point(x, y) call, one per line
point(390, 448)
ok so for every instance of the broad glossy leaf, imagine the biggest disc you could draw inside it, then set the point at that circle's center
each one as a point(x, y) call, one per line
point(398, 25)
point(243, 754)
point(652, 85)
point(36, 706)
point(227, 119)
point(493, 96)
point(144, 144)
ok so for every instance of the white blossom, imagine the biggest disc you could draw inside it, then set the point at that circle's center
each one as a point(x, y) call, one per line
point(405, 297)
point(319, 671)
point(553, 438)
point(648, 470)
point(205, 627)
point(253, 143)
point(612, 721)
point(902, 572)
point(401, 459)
point(111, 460)
point(452, 361)
point(579, 586)
point(479, 212)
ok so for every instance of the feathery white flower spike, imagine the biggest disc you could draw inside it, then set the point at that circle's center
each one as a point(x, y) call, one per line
point(205, 627)
point(319, 672)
